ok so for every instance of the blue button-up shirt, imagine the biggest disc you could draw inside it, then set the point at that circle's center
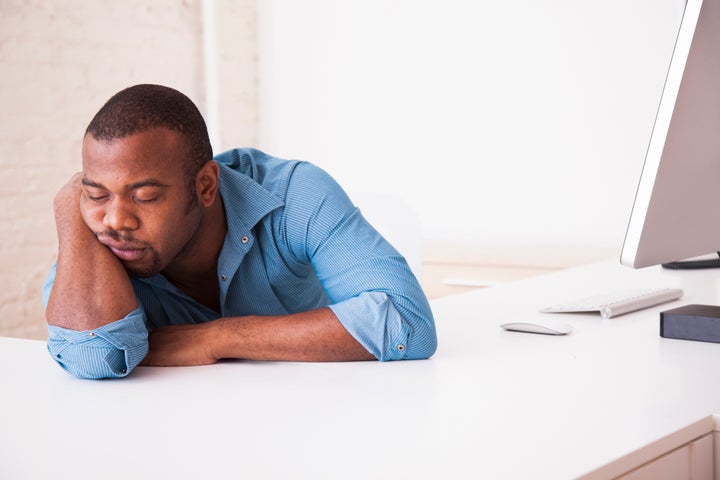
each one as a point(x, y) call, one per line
point(295, 242)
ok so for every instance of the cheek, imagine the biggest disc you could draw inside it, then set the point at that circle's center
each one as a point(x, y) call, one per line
point(92, 215)
point(167, 232)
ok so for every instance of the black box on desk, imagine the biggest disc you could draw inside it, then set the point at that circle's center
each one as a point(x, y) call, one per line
point(691, 322)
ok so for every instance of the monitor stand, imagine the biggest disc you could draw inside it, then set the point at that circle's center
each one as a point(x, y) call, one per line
point(693, 264)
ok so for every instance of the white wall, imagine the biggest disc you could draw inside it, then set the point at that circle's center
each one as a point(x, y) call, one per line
point(60, 61)
point(514, 122)
point(528, 101)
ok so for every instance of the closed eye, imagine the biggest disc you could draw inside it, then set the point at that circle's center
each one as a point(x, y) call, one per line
point(143, 201)
point(94, 191)
point(147, 194)
point(96, 197)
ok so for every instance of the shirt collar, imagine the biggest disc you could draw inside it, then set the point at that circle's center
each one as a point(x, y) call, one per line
point(246, 202)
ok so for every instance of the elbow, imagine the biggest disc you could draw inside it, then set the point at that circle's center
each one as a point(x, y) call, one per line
point(95, 362)
point(97, 354)
point(417, 341)
point(424, 343)
point(431, 347)
point(426, 335)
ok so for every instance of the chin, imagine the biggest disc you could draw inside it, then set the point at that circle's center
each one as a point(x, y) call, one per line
point(141, 272)
point(144, 271)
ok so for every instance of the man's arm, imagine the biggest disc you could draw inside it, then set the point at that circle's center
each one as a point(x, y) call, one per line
point(96, 328)
point(91, 286)
point(314, 336)
point(377, 310)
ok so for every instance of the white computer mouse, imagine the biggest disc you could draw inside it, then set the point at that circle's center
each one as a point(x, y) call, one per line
point(547, 326)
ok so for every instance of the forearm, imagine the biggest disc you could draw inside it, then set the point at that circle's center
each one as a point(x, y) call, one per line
point(314, 336)
point(91, 287)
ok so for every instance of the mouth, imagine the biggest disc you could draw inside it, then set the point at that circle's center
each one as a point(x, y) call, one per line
point(128, 254)
point(125, 251)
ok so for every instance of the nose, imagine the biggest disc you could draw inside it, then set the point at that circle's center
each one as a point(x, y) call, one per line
point(119, 217)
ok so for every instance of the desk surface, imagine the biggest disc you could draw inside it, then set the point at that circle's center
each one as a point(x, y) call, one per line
point(489, 404)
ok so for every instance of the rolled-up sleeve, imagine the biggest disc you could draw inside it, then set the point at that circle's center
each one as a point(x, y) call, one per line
point(110, 351)
point(372, 319)
point(373, 291)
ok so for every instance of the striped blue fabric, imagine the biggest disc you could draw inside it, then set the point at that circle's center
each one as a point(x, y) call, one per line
point(295, 242)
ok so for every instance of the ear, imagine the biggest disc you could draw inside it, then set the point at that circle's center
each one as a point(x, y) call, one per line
point(206, 183)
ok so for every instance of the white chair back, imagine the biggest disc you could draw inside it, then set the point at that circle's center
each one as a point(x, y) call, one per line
point(396, 221)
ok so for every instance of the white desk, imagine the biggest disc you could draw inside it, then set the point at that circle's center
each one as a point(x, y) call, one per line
point(490, 404)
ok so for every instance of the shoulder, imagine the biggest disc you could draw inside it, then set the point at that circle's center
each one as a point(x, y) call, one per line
point(311, 179)
point(257, 165)
point(291, 180)
point(312, 191)
point(249, 165)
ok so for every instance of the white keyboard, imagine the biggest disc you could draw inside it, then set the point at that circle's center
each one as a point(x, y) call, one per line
point(618, 303)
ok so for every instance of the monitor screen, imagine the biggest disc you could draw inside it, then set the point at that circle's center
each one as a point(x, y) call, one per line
point(676, 214)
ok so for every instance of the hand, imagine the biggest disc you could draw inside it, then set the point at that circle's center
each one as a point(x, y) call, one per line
point(181, 345)
point(67, 205)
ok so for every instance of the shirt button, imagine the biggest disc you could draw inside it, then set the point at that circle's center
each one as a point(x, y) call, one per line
point(245, 239)
point(224, 277)
point(401, 347)
point(91, 334)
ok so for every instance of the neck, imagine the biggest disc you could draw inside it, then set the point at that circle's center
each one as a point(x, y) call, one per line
point(199, 259)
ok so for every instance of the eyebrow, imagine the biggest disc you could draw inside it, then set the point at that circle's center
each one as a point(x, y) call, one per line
point(151, 182)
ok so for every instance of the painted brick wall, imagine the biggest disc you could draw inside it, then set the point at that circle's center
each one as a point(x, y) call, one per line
point(60, 61)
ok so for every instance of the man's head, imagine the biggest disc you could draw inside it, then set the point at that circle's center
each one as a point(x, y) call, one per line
point(143, 107)
point(148, 179)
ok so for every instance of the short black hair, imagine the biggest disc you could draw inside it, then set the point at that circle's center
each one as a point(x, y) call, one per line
point(146, 106)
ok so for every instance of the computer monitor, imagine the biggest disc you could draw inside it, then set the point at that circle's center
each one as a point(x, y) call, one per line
point(676, 214)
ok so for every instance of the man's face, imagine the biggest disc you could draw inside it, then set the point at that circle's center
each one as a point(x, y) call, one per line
point(135, 198)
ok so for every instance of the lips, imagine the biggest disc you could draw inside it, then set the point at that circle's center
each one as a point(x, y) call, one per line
point(126, 251)
point(128, 254)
